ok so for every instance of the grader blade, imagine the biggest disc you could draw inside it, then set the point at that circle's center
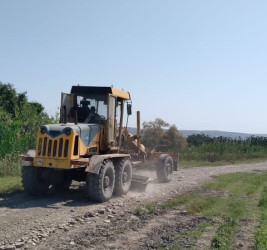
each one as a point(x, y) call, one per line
point(139, 183)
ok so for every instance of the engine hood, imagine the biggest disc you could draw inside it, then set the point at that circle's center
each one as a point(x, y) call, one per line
point(85, 131)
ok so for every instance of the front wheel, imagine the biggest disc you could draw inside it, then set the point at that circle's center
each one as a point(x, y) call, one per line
point(123, 177)
point(165, 169)
point(101, 186)
point(32, 180)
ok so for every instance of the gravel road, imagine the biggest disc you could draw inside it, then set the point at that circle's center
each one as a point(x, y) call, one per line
point(71, 221)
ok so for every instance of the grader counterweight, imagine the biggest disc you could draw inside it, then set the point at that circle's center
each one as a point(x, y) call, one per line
point(90, 144)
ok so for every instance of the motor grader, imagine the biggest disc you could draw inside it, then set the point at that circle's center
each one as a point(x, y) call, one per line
point(90, 144)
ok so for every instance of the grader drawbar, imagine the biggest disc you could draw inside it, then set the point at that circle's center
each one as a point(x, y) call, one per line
point(90, 145)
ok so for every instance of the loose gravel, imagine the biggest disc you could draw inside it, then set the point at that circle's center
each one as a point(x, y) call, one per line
point(71, 221)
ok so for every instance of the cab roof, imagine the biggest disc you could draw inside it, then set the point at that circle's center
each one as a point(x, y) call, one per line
point(100, 90)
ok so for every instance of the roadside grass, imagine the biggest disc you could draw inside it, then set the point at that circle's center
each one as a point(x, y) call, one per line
point(149, 208)
point(10, 172)
point(10, 165)
point(195, 234)
point(228, 200)
point(10, 179)
point(10, 184)
point(261, 232)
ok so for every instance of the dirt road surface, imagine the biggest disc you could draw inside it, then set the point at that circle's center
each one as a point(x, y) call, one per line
point(71, 221)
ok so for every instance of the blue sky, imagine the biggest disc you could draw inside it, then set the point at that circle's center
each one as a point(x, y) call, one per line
point(196, 64)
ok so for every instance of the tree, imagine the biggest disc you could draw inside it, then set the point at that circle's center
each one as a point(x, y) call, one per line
point(153, 132)
point(10, 101)
point(19, 120)
point(159, 132)
point(173, 139)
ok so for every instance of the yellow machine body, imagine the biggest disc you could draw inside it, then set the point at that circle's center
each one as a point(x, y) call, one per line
point(61, 146)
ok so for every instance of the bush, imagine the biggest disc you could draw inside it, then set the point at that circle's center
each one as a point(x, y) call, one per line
point(204, 148)
point(19, 122)
point(10, 165)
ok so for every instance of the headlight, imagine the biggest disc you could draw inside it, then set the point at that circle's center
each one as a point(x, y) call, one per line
point(43, 130)
point(68, 132)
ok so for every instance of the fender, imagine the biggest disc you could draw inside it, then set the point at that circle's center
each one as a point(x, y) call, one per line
point(96, 161)
point(163, 156)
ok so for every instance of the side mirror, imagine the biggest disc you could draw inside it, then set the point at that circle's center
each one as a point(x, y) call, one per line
point(129, 109)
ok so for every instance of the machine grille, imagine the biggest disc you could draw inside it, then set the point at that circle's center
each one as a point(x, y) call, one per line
point(48, 147)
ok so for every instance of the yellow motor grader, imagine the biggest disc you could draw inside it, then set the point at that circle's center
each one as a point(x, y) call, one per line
point(90, 144)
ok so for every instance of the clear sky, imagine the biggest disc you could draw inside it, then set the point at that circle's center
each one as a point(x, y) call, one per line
point(196, 64)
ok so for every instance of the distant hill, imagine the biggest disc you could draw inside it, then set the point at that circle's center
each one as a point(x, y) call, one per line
point(216, 133)
point(211, 133)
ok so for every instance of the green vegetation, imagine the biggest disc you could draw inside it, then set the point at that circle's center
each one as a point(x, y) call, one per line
point(157, 133)
point(229, 200)
point(195, 234)
point(148, 208)
point(10, 184)
point(19, 122)
point(223, 150)
point(261, 233)
point(202, 150)
point(10, 165)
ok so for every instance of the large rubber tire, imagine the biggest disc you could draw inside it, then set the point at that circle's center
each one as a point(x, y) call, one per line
point(123, 176)
point(101, 186)
point(32, 180)
point(165, 169)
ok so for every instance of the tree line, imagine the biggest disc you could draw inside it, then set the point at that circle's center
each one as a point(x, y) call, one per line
point(200, 147)
point(197, 140)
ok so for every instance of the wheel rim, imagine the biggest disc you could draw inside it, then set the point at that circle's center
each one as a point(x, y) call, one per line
point(108, 182)
point(169, 169)
point(126, 175)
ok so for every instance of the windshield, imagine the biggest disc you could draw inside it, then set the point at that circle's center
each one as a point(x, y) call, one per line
point(91, 108)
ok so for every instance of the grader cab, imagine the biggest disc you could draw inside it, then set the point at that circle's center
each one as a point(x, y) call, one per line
point(90, 144)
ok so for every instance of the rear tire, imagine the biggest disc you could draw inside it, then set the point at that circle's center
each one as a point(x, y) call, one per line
point(165, 169)
point(101, 186)
point(123, 177)
point(32, 180)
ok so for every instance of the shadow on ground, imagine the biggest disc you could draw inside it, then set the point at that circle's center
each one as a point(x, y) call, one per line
point(76, 196)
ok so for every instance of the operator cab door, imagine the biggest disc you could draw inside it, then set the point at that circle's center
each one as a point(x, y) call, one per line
point(67, 102)
point(111, 121)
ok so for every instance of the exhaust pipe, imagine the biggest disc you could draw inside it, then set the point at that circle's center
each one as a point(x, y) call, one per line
point(65, 114)
point(138, 131)
point(76, 116)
